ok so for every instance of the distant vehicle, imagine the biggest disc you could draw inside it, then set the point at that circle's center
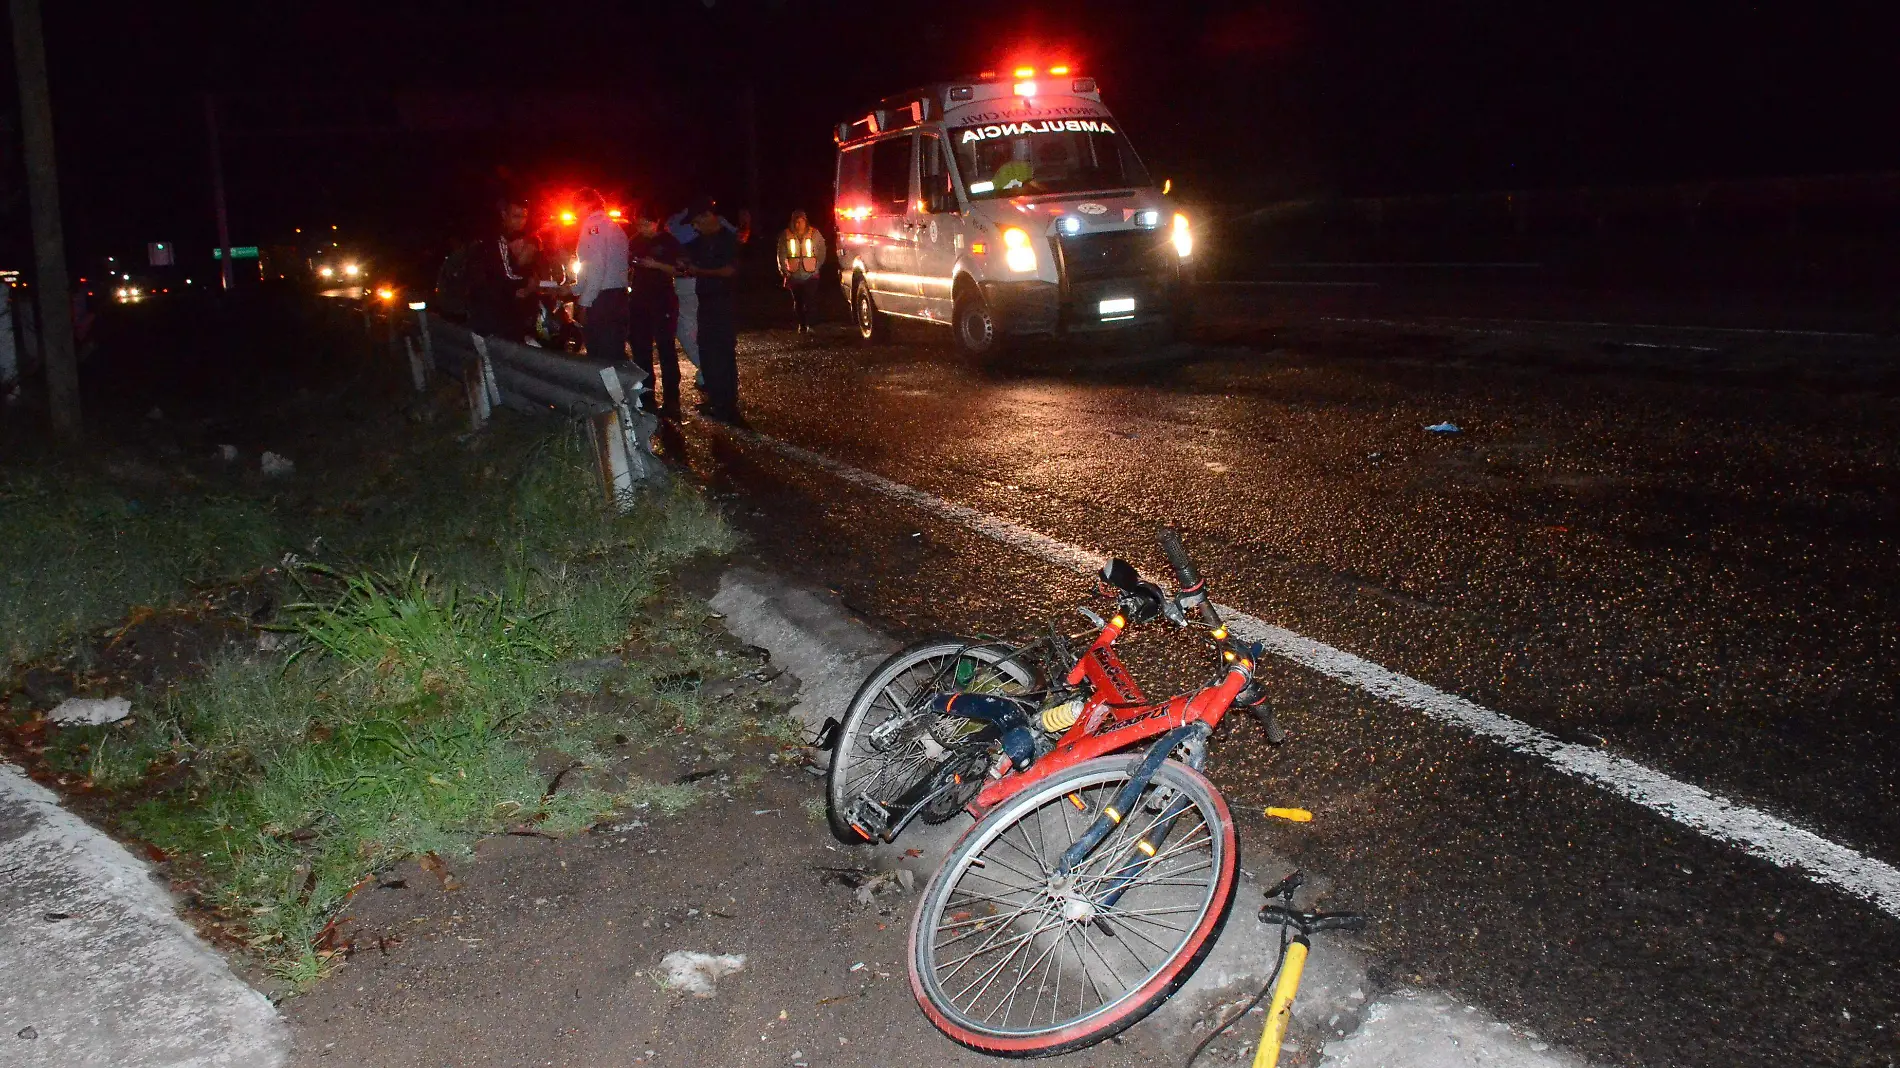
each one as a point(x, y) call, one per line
point(1005, 207)
point(335, 268)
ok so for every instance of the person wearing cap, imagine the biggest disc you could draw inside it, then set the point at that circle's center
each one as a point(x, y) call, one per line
point(801, 250)
point(712, 261)
point(601, 295)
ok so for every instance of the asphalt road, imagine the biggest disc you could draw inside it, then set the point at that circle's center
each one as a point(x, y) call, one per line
point(1675, 546)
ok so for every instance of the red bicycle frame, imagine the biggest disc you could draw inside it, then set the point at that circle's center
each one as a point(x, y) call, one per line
point(1117, 716)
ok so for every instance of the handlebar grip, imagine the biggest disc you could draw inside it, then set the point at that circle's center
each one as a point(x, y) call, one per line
point(1184, 572)
point(1193, 592)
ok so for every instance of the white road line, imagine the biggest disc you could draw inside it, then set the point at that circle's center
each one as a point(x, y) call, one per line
point(1753, 831)
point(1443, 320)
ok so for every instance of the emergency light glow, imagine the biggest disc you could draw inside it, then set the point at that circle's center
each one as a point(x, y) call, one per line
point(418, 305)
point(855, 214)
point(567, 218)
point(1148, 218)
point(575, 268)
point(613, 213)
point(982, 187)
point(1058, 71)
point(1025, 88)
point(1071, 225)
point(1027, 72)
point(1117, 306)
point(1016, 251)
point(386, 293)
point(1183, 239)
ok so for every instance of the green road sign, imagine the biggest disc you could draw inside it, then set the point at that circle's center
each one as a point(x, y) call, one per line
point(238, 252)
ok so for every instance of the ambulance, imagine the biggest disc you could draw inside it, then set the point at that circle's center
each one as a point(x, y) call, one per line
point(1005, 206)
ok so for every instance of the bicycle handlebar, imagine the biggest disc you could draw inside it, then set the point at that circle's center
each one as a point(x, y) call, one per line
point(1193, 590)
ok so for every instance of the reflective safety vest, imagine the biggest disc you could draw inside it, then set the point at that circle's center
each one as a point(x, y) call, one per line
point(800, 258)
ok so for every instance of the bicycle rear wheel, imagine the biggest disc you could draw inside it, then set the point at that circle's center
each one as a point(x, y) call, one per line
point(890, 740)
point(1009, 958)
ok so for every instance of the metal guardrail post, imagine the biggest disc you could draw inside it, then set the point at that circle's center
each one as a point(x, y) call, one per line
point(428, 341)
point(417, 373)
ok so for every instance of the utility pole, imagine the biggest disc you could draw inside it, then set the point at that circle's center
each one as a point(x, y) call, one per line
point(217, 192)
point(49, 239)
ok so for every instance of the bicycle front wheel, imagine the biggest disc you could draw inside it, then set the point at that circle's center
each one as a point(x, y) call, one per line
point(1009, 957)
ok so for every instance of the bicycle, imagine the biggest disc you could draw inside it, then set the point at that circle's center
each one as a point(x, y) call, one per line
point(1095, 882)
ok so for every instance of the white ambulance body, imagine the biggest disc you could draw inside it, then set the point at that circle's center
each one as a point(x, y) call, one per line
point(1005, 207)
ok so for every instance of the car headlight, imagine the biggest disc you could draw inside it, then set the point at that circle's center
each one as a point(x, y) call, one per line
point(351, 270)
point(327, 272)
point(1017, 253)
point(1183, 238)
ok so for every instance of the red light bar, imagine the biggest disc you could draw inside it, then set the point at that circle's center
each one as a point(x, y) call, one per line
point(1059, 71)
point(1025, 72)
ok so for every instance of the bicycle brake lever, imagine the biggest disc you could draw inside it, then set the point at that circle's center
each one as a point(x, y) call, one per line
point(1287, 886)
point(1092, 616)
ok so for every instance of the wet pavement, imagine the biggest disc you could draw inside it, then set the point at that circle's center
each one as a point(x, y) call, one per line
point(1684, 556)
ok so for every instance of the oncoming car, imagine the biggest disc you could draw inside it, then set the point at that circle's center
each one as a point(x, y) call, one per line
point(1004, 208)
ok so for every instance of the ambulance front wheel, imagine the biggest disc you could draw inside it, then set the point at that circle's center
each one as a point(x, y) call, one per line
point(974, 324)
point(874, 327)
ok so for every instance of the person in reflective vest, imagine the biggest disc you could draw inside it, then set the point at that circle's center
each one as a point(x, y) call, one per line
point(801, 253)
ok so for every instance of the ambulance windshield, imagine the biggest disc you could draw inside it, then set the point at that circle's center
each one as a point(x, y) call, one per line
point(1058, 156)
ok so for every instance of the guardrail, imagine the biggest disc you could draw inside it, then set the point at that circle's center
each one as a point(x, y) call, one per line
point(495, 372)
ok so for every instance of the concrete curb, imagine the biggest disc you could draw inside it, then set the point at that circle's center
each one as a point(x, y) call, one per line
point(830, 652)
point(99, 971)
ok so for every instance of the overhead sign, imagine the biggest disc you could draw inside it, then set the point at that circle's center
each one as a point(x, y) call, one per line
point(238, 252)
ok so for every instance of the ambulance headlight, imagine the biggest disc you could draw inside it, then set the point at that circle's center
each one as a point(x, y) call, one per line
point(1183, 238)
point(1148, 218)
point(1017, 253)
point(1071, 225)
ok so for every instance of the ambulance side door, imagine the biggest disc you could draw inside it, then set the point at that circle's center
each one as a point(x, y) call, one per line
point(893, 245)
point(936, 224)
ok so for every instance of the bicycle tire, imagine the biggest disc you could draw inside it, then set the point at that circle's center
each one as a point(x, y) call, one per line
point(865, 703)
point(1099, 778)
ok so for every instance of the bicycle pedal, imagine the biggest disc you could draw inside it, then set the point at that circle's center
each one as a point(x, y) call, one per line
point(870, 819)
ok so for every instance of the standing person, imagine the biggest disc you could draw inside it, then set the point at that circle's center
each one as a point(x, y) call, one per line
point(655, 253)
point(713, 264)
point(685, 289)
point(496, 283)
point(801, 251)
point(601, 296)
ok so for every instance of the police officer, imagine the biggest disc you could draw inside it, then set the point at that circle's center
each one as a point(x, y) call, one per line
point(712, 261)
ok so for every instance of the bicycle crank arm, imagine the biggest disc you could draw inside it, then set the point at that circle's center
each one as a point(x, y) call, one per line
point(1125, 801)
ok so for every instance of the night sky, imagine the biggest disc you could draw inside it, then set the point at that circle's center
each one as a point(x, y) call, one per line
point(403, 120)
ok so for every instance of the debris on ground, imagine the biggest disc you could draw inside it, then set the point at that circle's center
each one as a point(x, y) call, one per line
point(274, 465)
point(695, 973)
point(90, 711)
point(1443, 428)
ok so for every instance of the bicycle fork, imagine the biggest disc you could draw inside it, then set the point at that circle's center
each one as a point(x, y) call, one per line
point(1151, 844)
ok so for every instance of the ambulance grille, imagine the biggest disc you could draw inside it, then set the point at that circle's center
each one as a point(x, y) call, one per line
point(1114, 254)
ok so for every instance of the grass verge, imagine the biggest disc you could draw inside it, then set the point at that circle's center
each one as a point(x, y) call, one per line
point(448, 644)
